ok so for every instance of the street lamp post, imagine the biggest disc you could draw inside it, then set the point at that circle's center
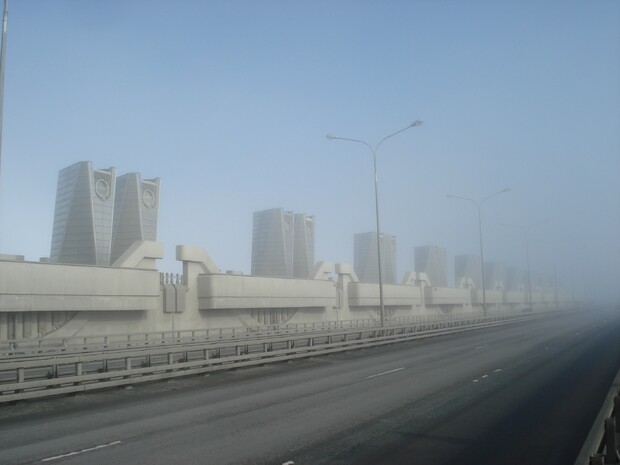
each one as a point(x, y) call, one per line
point(527, 256)
point(374, 159)
point(479, 206)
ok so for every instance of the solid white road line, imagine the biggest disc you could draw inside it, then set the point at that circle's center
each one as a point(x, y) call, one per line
point(90, 449)
point(385, 373)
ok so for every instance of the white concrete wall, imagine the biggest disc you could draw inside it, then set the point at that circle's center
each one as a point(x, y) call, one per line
point(43, 299)
point(30, 286)
point(447, 296)
point(367, 295)
point(222, 291)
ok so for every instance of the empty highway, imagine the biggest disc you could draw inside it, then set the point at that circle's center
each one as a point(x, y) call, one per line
point(524, 394)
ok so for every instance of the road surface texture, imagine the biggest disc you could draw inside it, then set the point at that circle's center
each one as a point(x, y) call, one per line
point(521, 394)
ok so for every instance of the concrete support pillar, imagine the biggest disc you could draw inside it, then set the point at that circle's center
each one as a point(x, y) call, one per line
point(19, 325)
point(195, 262)
point(4, 326)
point(45, 323)
point(29, 320)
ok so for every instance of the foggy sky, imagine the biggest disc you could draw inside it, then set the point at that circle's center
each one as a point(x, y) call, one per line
point(229, 103)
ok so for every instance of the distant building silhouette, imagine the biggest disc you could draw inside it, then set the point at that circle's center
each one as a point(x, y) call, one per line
point(282, 244)
point(432, 260)
point(365, 257)
point(468, 267)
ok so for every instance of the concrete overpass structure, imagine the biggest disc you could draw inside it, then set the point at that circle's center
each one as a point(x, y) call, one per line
point(45, 299)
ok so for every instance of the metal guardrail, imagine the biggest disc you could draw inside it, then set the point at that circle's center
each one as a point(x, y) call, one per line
point(37, 346)
point(62, 374)
point(601, 446)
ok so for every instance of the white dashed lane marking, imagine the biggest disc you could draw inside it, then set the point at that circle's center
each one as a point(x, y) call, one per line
point(90, 449)
point(486, 375)
point(385, 373)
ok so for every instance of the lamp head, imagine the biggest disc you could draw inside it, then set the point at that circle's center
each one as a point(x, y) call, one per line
point(330, 136)
point(417, 122)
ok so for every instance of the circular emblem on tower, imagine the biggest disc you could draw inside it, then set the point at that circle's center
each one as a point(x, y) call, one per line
point(148, 198)
point(102, 189)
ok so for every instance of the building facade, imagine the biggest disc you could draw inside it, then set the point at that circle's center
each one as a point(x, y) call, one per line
point(83, 215)
point(432, 260)
point(282, 244)
point(303, 246)
point(98, 216)
point(136, 207)
point(365, 260)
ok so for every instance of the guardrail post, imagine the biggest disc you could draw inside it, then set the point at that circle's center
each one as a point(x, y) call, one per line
point(206, 354)
point(78, 369)
point(611, 455)
point(127, 363)
point(20, 375)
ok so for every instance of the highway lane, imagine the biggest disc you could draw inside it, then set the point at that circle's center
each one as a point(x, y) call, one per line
point(492, 396)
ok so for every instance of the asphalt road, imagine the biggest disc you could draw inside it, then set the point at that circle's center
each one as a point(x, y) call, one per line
point(522, 394)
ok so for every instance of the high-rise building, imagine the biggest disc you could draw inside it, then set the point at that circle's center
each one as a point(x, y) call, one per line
point(303, 246)
point(433, 261)
point(99, 216)
point(282, 244)
point(136, 207)
point(83, 215)
point(365, 260)
point(469, 267)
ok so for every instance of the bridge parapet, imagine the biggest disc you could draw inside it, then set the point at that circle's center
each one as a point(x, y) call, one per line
point(33, 286)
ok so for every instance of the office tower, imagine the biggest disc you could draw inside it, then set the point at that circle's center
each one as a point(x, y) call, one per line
point(282, 244)
point(433, 261)
point(272, 243)
point(468, 266)
point(136, 207)
point(365, 257)
point(83, 215)
point(303, 246)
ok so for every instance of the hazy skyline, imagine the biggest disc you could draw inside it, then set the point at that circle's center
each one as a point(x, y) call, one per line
point(229, 103)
